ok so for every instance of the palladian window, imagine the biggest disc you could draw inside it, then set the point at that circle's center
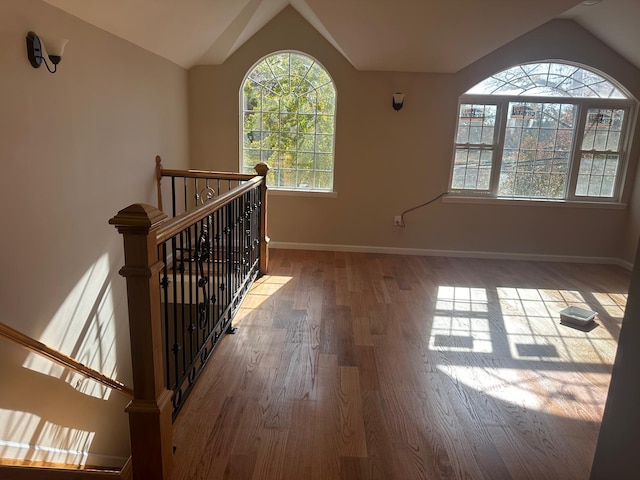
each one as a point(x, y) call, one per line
point(542, 131)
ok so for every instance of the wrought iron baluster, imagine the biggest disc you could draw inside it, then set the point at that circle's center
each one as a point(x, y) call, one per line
point(202, 253)
point(212, 264)
point(218, 274)
point(183, 303)
point(191, 328)
point(176, 347)
point(185, 189)
point(173, 196)
point(164, 285)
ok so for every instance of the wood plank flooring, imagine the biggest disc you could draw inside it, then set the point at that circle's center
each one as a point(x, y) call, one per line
point(364, 366)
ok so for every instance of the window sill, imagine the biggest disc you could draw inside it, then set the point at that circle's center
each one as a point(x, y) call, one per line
point(453, 198)
point(302, 193)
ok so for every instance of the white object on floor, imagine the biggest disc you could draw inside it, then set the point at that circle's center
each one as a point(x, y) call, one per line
point(577, 316)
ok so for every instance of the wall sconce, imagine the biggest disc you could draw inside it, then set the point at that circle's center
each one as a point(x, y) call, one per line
point(398, 101)
point(54, 49)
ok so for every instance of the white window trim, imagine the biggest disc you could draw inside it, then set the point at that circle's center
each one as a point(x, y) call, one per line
point(289, 192)
point(456, 198)
point(583, 104)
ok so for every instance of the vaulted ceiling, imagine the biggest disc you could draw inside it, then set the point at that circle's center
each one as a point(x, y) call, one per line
point(398, 35)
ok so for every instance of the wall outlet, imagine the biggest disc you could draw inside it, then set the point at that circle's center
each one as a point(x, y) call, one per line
point(397, 220)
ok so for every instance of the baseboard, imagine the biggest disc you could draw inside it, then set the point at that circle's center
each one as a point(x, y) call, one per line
point(21, 472)
point(624, 264)
point(15, 470)
point(451, 253)
point(15, 453)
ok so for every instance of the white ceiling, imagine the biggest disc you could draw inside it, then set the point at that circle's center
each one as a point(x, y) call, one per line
point(398, 35)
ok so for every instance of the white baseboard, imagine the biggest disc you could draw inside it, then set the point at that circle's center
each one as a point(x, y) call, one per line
point(624, 264)
point(451, 253)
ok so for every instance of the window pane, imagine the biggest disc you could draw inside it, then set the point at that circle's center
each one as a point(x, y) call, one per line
point(535, 159)
point(305, 161)
point(472, 169)
point(549, 80)
point(603, 129)
point(306, 142)
point(323, 181)
point(324, 162)
point(597, 175)
point(476, 124)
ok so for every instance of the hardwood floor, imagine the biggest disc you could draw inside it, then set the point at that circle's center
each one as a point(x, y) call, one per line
point(365, 366)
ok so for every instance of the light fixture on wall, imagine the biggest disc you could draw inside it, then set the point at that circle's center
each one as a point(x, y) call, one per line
point(398, 101)
point(54, 48)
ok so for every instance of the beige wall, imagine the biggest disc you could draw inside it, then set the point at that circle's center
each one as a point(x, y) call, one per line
point(389, 161)
point(629, 240)
point(75, 147)
point(616, 454)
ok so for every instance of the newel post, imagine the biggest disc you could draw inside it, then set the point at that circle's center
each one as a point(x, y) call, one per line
point(150, 410)
point(262, 169)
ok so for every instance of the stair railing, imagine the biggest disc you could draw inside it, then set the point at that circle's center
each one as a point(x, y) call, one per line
point(60, 358)
point(186, 277)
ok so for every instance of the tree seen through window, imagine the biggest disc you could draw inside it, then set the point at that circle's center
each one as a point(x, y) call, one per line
point(288, 121)
point(544, 131)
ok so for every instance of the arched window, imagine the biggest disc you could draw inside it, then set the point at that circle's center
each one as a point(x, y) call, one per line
point(542, 131)
point(288, 121)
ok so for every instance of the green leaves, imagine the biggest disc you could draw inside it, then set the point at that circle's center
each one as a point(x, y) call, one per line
point(289, 121)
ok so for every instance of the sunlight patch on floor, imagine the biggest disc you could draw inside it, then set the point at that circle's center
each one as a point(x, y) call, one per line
point(613, 303)
point(260, 292)
point(512, 335)
point(560, 393)
point(531, 319)
point(460, 322)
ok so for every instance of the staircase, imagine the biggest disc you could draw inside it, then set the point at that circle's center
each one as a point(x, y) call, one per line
point(186, 273)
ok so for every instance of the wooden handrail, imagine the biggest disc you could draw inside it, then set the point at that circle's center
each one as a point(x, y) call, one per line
point(172, 227)
point(43, 350)
point(212, 175)
point(261, 169)
point(175, 225)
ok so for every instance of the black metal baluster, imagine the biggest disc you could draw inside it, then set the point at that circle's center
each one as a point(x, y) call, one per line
point(191, 327)
point(230, 242)
point(173, 196)
point(218, 257)
point(218, 239)
point(176, 346)
point(181, 269)
point(164, 284)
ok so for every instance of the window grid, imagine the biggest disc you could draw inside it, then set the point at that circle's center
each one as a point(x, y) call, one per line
point(548, 79)
point(535, 158)
point(547, 144)
point(475, 141)
point(600, 155)
point(289, 122)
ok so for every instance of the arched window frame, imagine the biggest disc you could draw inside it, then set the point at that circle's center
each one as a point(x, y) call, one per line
point(492, 154)
point(307, 166)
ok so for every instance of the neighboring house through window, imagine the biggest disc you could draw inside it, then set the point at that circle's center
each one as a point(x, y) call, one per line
point(288, 121)
point(542, 131)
